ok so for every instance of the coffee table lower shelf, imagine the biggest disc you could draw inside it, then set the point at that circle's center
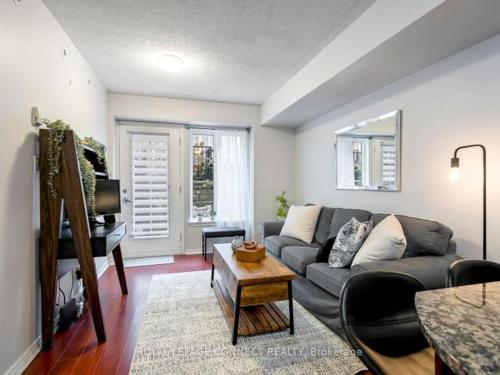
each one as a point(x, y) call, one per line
point(253, 319)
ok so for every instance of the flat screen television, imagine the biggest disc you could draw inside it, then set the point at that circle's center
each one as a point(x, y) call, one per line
point(107, 197)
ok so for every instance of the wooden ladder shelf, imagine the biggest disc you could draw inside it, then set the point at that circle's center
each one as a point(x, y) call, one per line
point(69, 189)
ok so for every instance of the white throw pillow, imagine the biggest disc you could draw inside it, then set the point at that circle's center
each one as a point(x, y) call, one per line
point(386, 241)
point(300, 223)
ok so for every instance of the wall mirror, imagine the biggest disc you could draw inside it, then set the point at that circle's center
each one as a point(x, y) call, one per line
point(368, 154)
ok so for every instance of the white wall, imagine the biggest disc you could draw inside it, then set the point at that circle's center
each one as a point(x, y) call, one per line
point(451, 103)
point(273, 148)
point(274, 170)
point(33, 72)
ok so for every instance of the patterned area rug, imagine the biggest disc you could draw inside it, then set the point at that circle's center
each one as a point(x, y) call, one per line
point(185, 332)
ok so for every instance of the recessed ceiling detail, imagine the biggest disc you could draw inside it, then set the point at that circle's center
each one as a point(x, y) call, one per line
point(233, 51)
point(427, 34)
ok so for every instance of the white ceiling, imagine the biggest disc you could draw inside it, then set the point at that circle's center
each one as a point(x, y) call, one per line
point(235, 50)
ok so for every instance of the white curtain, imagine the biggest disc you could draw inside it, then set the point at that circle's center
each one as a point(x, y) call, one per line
point(232, 177)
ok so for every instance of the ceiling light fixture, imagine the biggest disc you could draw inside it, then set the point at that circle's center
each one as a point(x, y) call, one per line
point(171, 63)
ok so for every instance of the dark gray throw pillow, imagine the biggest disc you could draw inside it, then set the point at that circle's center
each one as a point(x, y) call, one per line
point(349, 239)
point(324, 251)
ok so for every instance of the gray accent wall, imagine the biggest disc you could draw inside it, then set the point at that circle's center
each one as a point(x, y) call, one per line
point(451, 103)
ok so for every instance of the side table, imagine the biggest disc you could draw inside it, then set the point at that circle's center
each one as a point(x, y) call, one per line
point(218, 232)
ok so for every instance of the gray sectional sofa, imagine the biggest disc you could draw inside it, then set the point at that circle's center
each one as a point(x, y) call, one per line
point(429, 252)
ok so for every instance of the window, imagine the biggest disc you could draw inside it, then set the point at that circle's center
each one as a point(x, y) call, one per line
point(149, 176)
point(219, 176)
point(202, 172)
point(357, 155)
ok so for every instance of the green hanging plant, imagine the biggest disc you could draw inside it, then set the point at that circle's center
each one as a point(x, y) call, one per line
point(56, 139)
point(99, 149)
point(283, 206)
point(87, 172)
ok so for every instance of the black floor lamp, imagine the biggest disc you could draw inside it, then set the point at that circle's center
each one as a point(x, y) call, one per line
point(455, 163)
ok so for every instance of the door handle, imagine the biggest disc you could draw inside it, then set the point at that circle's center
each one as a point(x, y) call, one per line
point(126, 200)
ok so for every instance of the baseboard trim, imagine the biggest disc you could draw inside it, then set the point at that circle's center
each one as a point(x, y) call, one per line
point(35, 347)
point(26, 358)
point(111, 261)
point(192, 251)
point(102, 268)
point(151, 253)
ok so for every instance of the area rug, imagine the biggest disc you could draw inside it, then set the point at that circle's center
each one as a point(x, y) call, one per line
point(184, 332)
point(148, 261)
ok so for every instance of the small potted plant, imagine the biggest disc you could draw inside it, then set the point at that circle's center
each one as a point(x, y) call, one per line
point(283, 206)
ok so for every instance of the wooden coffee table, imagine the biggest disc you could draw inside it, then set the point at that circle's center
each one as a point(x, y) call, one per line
point(246, 292)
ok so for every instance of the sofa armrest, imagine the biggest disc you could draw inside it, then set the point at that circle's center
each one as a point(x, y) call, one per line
point(271, 228)
point(452, 247)
point(431, 270)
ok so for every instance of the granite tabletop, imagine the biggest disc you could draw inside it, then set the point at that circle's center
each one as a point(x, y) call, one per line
point(462, 325)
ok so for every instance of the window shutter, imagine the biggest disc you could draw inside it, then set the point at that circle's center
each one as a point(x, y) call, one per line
point(388, 164)
point(150, 185)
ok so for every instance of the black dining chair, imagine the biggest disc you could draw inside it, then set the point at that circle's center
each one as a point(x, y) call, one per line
point(472, 271)
point(378, 315)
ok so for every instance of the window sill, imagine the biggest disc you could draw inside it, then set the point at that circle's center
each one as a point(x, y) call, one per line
point(201, 223)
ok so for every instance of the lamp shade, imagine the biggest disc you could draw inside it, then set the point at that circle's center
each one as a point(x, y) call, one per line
point(455, 172)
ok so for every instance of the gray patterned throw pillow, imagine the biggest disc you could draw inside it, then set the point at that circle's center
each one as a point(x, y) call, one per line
point(349, 239)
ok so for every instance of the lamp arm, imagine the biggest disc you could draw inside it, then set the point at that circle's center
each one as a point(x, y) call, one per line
point(469, 146)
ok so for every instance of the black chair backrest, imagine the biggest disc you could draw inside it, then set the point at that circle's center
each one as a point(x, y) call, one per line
point(471, 271)
point(377, 309)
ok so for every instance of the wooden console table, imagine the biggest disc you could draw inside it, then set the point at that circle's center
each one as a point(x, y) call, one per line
point(104, 239)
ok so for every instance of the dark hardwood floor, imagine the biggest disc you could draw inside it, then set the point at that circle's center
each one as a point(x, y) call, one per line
point(76, 350)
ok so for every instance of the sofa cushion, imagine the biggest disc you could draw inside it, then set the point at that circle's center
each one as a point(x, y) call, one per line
point(300, 222)
point(275, 243)
point(298, 257)
point(323, 225)
point(424, 237)
point(342, 215)
point(431, 270)
point(330, 279)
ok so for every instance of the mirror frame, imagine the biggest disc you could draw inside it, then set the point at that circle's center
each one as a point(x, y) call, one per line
point(398, 115)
